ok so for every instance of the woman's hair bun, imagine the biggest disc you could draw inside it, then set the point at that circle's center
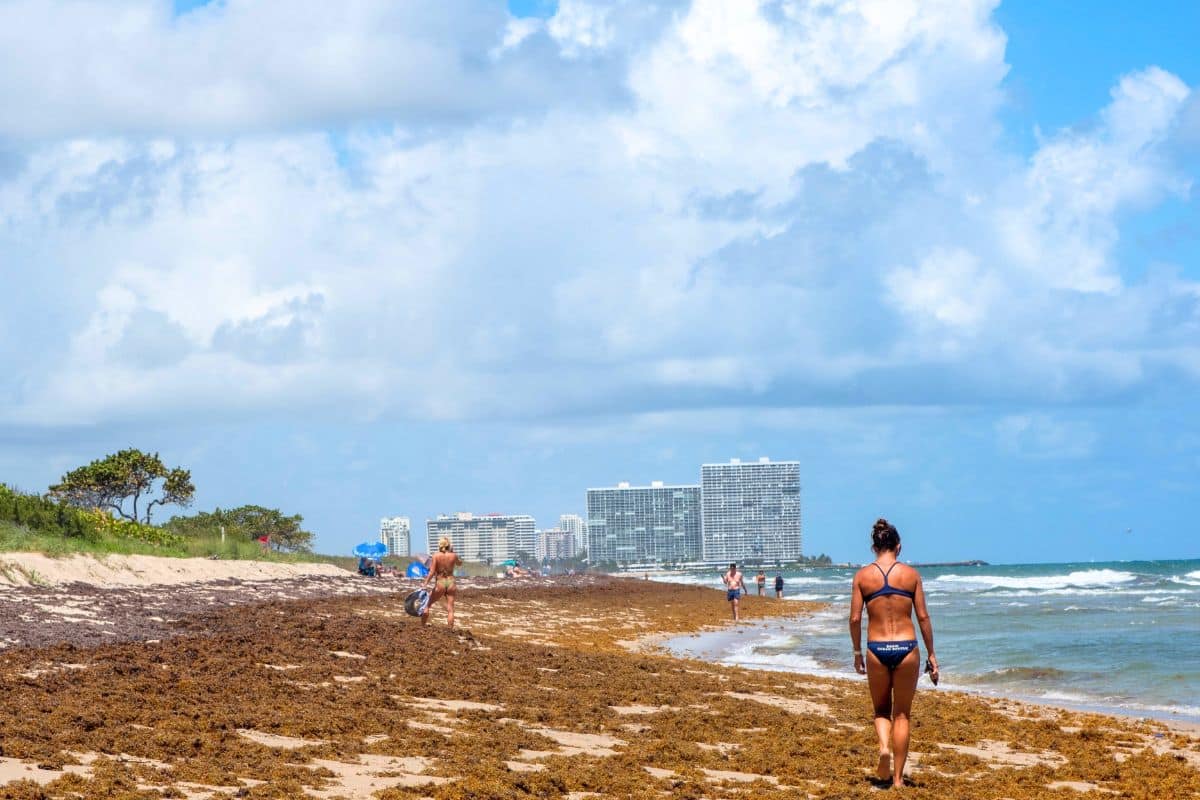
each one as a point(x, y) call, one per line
point(884, 536)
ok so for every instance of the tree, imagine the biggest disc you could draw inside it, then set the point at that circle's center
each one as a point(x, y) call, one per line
point(283, 532)
point(110, 482)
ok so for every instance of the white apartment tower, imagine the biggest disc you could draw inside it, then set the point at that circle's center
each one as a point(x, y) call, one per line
point(484, 538)
point(395, 532)
point(751, 511)
point(575, 525)
point(555, 544)
point(655, 524)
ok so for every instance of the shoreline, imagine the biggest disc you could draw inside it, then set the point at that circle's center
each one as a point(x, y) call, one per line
point(545, 689)
point(719, 639)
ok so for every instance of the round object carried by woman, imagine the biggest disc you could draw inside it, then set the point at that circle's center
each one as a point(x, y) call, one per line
point(890, 592)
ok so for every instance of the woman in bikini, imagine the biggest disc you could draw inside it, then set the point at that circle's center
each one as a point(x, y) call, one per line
point(441, 571)
point(890, 591)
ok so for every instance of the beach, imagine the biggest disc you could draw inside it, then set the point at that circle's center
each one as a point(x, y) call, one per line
point(320, 686)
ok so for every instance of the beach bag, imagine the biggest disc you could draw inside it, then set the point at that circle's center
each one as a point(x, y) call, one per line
point(416, 603)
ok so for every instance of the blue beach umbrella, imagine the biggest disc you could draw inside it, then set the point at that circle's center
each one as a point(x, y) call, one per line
point(416, 570)
point(370, 550)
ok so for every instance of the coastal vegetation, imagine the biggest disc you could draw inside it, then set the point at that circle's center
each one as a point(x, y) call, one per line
point(106, 507)
point(128, 476)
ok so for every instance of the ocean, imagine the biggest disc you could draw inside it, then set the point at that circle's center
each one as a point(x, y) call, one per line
point(1117, 637)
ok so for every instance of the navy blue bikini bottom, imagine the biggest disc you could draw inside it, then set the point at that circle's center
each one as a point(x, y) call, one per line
point(890, 654)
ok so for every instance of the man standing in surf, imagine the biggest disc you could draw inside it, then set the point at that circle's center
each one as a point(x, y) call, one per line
point(735, 584)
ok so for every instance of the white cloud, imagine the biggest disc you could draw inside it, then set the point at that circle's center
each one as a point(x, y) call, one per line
point(800, 204)
point(85, 67)
point(580, 27)
point(948, 287)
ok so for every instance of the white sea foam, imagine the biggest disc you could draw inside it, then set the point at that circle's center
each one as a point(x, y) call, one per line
point(1040, 583)
point(1190, 579)
point(791, 662)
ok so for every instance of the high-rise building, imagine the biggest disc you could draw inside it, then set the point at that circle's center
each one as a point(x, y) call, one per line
point(486, 538)
point(555, 544)
point(751, 511)
point(395, 532)
point(576, 526)
point(653, 524)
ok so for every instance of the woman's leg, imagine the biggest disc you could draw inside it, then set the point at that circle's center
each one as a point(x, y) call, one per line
point(904, 687)
point(879, 679)
point(450, 607)
point(433, 598)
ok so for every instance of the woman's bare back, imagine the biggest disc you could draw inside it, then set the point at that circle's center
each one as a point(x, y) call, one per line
point(889, 617)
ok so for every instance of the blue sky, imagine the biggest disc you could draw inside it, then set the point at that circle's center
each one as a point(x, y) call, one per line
point(477, 256)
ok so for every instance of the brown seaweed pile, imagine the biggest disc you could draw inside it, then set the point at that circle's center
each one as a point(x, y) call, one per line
point(348, 697)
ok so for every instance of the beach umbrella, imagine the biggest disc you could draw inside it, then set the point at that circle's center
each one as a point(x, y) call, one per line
point(416, 570)
point(370, 550)
point(512, 562)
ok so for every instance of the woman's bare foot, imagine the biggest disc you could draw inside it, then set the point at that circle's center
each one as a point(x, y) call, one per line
point(884, 768)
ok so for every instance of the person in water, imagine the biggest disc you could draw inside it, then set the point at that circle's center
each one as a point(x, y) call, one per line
point(891, 592)
point(761, 580)
point(735, 584)
point(441, 572)
point(779, 586)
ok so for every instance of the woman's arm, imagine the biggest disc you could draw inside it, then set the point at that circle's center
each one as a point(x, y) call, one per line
point(856, 611)
point(925, 623)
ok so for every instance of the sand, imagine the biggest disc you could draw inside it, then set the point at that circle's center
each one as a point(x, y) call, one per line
point(343, 695)
point(24, 569)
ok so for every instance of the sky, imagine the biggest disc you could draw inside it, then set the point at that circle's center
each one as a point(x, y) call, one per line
point(355, 260)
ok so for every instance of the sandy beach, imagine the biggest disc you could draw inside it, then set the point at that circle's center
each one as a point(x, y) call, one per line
point(320, 686)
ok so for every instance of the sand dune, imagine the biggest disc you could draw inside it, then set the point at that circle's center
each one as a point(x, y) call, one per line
point(25, 569)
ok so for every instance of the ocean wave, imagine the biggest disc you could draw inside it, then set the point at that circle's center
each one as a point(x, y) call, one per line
point(1014, 674)
point(789, 662)
point(1080, 579)
point(1190, 579)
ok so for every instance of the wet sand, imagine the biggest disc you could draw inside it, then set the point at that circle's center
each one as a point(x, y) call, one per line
point(546, 690)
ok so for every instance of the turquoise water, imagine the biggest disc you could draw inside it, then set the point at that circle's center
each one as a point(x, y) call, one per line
point(1117, 636)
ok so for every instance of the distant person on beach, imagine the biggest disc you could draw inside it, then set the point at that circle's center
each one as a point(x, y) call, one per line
point(778, 586)
point(761, 580)
point(891, 592)
point(441, 572)
point(735, 584)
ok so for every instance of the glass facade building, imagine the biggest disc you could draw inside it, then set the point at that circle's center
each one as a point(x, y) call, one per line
point(751, 511)
point(395, 532)
point(653, 524)
point(487, 538)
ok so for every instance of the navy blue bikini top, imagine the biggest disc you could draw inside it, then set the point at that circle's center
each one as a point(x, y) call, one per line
point(887, 587)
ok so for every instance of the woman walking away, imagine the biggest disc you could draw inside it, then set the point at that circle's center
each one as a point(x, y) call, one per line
point(441, 571)
point(890, 591)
